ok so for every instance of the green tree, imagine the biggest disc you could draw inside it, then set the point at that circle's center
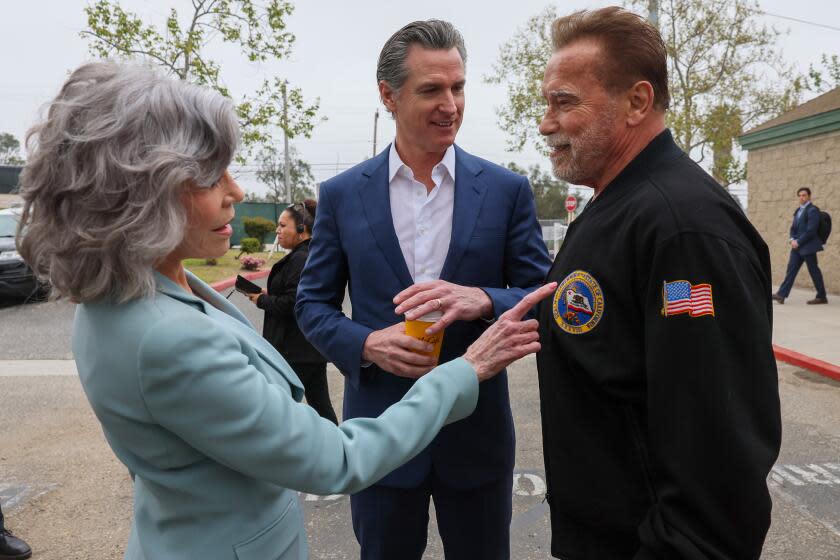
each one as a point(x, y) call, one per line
point(258, 30)
point(726, 74)
point(826, 76)
point(549, 192)
point(10, 150)
point(271, 172)
point(257, 227)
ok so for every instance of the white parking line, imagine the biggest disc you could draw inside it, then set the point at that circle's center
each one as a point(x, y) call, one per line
point(14, 494)
point(37, 368)
point(804, 475)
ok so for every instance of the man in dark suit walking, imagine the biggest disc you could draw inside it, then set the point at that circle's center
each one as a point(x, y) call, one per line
point(804, 246)
point(426, 227)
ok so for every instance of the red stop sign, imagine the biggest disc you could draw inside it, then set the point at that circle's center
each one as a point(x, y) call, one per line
point(571, 203)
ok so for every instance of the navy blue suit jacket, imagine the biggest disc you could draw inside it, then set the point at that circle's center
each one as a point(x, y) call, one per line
point(805, 231)
point(496, 244)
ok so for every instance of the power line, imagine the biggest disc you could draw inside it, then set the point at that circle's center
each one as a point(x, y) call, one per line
point(806, 22)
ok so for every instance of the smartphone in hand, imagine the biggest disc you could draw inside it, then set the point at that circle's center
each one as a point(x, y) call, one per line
point(245, 286)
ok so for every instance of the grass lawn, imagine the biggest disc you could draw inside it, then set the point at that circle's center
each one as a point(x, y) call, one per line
point(228, 266)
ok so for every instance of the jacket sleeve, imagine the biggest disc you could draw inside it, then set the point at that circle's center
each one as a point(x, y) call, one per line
point(713, 422)
point(526, 256)
point(321, 292)
point(812, 223)
point(280, 301)
point(197, 382)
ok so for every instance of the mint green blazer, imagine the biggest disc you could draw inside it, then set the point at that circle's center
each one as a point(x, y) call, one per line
point(207, 417)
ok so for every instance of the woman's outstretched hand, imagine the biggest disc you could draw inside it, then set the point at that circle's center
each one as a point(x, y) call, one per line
point(509, 338)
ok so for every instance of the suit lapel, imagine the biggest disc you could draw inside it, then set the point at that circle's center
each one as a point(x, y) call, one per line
point(469, 195)
point(376, 205)
point(209, 296)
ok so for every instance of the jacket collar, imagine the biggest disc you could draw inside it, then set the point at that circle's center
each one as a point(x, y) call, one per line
point(469, 196)
point(376, 204)
point(303, 245)
point(661, 148)
point(202, 296)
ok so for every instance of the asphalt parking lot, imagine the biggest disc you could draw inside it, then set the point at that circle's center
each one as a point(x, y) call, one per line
point(62, 489)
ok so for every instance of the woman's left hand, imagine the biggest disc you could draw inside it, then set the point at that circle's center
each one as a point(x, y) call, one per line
point(255, 297)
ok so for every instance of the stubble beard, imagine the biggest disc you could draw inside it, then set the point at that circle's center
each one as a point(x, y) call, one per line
point(585, 158)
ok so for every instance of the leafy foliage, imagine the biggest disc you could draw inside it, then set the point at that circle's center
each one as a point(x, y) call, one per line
point(250, 245)
point(521, 66)
point(9, 150)
point(271, 171)
point(260, 32)
point(549, 193)
point(826, 76)
point(257, 227)
point(726, 75)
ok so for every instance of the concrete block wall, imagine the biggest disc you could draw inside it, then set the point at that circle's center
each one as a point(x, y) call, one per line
point(774, 174)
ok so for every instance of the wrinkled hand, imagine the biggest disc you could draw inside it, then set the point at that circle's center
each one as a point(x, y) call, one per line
point(457, 303)
point(794, 243)
point(395, 352)
point(509, 338)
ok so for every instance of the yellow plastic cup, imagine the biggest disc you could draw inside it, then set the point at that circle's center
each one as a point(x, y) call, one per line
point(417, 329)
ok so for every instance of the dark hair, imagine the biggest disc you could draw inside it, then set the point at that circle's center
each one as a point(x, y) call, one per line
point(633, 49)
point(433, 34)
point(806, 189)
point(303, 214)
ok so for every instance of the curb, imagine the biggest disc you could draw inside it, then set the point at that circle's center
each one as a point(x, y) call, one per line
point(229, 282)
point(812, 364)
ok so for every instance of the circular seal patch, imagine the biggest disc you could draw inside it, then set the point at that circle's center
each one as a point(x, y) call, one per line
point(578, 303)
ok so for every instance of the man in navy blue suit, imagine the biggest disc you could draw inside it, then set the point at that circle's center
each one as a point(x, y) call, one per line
point(424, 227)
point(804, 245)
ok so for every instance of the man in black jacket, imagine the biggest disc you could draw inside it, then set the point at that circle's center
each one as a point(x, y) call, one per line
point(658, 384)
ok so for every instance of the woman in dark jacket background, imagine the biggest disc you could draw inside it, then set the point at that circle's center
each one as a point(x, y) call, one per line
point(294, 230)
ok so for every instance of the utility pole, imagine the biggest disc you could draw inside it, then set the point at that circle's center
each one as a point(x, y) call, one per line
point(286, 180)
point(653, 13)
point(375, 122)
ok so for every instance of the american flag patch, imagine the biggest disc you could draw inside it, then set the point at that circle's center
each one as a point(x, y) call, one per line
point(683, 297)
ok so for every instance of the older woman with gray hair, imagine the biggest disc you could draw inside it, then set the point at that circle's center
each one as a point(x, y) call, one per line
point(127, 176)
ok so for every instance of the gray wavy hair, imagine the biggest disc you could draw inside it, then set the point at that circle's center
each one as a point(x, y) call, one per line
point(431, 34)
point(103, 184)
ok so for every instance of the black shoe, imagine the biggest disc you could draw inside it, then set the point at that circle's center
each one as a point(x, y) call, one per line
point(817, 301)
point(777, 298)
point(12, 548)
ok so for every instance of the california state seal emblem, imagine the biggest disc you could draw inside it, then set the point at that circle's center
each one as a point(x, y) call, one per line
point(578, 303)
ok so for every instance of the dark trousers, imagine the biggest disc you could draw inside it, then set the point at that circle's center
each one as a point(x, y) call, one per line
point(392, 523)
point(316, 390)
point(2, 526)
point(794, 264)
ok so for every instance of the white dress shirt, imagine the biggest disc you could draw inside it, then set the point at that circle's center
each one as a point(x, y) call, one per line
point(422, 220)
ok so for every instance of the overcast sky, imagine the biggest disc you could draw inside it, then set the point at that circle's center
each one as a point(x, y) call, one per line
point(335, 59)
